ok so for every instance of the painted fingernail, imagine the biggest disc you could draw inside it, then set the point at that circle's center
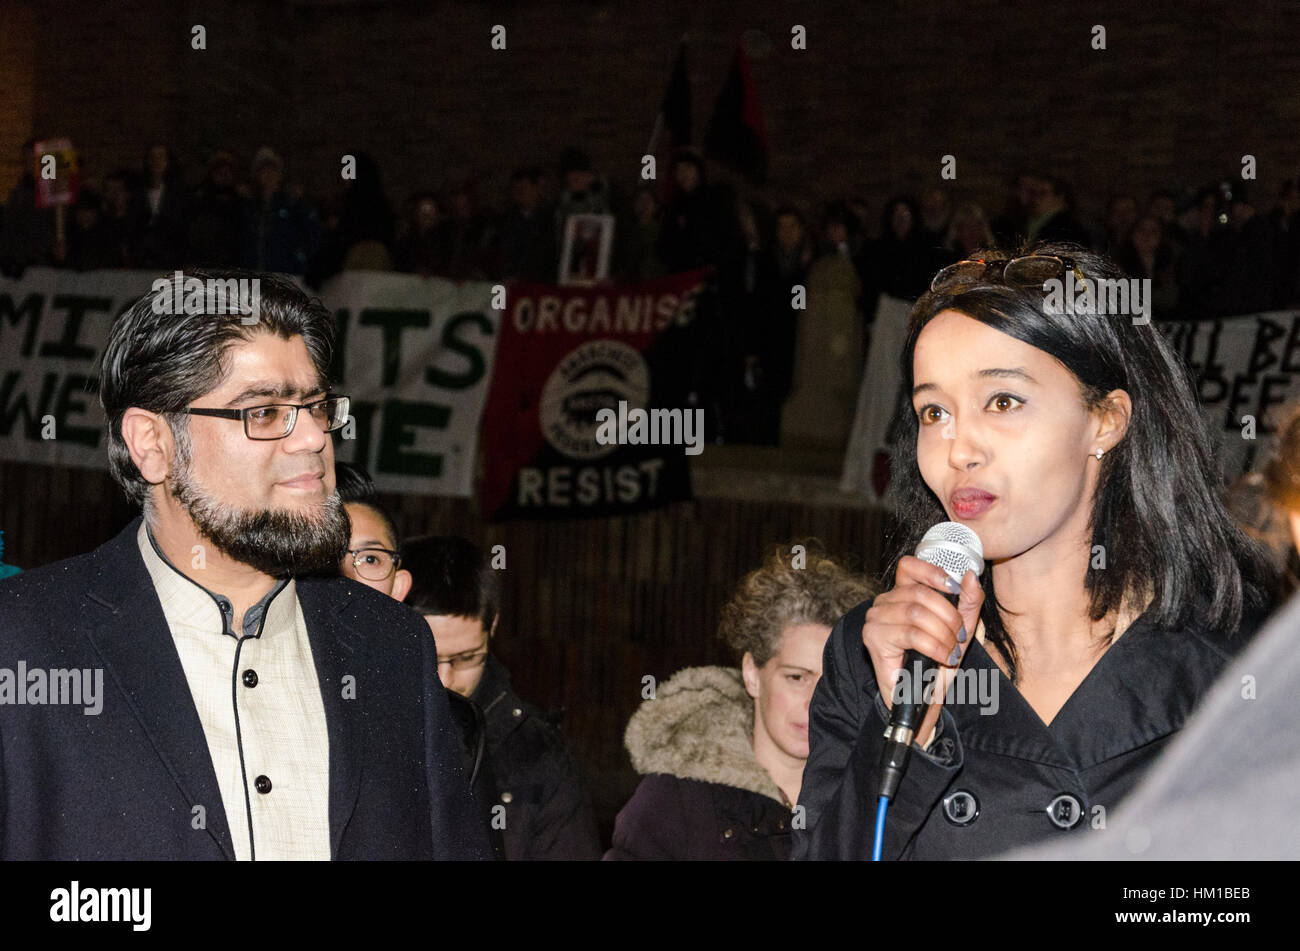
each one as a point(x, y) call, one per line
point(961, 635)
point(954, 656)
point(954, 587)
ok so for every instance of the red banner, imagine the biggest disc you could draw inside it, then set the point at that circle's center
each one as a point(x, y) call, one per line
point(588, 411)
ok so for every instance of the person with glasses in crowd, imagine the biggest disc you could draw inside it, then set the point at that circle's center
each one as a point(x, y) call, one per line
point(250, 709)
point(1116, 585)
point(540, 805)
point(373, 557)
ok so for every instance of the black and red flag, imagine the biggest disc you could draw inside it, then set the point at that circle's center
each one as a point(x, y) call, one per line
point(673, 126)
point(735, 134)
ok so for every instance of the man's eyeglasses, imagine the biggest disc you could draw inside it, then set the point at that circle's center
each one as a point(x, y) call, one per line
point(276, 420)
point(465, 661)
point(374, 564)
point(1031, 270)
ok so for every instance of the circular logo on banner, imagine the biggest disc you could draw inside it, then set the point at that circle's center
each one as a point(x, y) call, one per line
point(597, 375)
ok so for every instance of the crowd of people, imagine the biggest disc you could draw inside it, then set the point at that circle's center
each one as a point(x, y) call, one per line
point(278, 710)
point(532, 796)
point(1208, 252)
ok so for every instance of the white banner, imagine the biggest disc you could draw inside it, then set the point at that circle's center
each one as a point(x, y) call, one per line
point(866, 463)
point(1246, 369)
point(414, 354)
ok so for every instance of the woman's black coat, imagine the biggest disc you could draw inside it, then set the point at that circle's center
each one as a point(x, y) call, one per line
point(996, 781)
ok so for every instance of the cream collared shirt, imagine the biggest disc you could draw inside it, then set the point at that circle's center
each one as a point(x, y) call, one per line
point(260, 705)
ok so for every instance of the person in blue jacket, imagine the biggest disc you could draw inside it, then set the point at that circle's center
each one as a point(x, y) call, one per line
point(6, 570)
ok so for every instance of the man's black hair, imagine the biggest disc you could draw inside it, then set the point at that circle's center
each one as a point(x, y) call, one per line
point(353, 483)
point(449, 576)
point(162, 362)
point(355, 487)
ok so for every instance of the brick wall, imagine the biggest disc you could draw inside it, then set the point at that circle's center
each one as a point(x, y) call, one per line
point(882, 92)
point(17, 86)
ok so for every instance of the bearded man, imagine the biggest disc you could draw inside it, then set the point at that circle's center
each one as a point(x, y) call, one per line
point(255, 705)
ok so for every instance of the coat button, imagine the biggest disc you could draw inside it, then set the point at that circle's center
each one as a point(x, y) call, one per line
point(1065, 811)
point(507, 797)
point(262, 784)
point(516, 712)
point(250, 678)
point(780, 824)
point(961, 808)
point(727, 834)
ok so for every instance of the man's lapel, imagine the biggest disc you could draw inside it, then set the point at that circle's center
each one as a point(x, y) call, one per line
point(131, 636)
point(338, 652)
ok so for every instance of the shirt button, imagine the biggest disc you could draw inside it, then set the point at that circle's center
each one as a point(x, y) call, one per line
point(1065, 811)
point(250, 678)
point(262, 784)
point(961, 808)
point(507, 797)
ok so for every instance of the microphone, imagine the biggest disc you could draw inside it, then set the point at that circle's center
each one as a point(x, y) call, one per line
point(954, 548)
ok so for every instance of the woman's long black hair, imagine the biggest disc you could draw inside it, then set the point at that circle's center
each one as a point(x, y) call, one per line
point(1158, 514)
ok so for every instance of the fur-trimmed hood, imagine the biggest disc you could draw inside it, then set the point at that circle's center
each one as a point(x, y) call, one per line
point(700, 725)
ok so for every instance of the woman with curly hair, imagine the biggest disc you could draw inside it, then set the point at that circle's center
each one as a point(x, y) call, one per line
point(722, 749)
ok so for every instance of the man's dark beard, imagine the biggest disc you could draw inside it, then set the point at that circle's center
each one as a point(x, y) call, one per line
point(276, 542)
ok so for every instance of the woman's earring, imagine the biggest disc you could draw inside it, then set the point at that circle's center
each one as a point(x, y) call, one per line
point(1100, 453)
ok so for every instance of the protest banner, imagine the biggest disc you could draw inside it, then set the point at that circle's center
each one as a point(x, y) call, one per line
point(566, 356)
point(413, 354)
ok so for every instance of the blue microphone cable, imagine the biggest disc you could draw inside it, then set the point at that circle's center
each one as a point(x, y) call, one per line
point(881, 805)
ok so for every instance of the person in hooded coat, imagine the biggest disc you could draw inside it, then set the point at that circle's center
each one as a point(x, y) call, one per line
point(722, 749)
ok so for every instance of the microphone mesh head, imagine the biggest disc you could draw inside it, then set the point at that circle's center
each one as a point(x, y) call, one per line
point(954, 548)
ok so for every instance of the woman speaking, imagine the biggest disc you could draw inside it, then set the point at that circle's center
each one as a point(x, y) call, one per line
point(1115, 587)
